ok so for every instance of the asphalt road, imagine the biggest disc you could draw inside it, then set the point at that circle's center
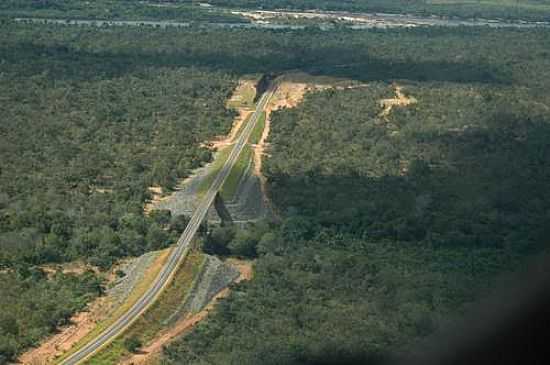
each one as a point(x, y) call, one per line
point(178, 253)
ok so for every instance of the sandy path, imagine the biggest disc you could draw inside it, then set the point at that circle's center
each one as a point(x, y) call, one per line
point(244, 113)
point(243, 88)
point(154, 349)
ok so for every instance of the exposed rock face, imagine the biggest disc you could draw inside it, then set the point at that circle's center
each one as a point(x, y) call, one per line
point(214, 276)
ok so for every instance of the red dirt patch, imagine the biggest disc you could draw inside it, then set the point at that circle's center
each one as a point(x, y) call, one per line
point(82, 324)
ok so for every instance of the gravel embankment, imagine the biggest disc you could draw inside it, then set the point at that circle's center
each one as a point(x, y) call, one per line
point(214, 276)
point(248, 204)
point(134, 270)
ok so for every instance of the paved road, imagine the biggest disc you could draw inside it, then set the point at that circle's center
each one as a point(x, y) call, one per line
point(178, 253)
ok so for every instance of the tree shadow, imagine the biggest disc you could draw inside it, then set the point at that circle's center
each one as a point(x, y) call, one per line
point(64, 62)
point(488, 189)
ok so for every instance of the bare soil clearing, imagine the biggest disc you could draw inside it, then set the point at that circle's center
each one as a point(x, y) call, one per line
point(77, 268)
point(230, 138)
point(153, 350)
point(157, 193)
point(400, 100)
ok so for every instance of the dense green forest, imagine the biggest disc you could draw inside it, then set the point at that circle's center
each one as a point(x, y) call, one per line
point(78, 156)
point(391, 226)
point(81, 139)
point(467, 165)
point(534, 10)
point(116, 10)
point(92, 117)
point(318, 297)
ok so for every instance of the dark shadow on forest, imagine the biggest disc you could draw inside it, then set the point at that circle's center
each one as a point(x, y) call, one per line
point(490, 191)
point(508, 327)
point(65, 63)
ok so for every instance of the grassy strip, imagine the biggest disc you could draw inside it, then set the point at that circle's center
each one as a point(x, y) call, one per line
point(136, 293)
point(152, 321)
point(258, 129)
point(221, 158)
point(231, 185)
point(246, 93)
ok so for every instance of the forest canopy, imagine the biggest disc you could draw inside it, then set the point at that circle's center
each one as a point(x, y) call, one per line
point(391, 227)
point(451, 188)
point(183, 11)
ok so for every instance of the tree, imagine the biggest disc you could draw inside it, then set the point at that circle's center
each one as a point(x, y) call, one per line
point(218, 240)
point(8, 325)
point(132, 344)
point(161, 216)
point(268, 243)
point(157, 238)
point(178, 223)
point(244, 243)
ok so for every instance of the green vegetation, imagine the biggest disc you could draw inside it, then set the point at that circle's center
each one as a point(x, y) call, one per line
point(230, 185)
point(246, 95)
point(258, 130)
point(116, 10)
point(391, 227)
point(237, 241)
point(337, 298)
point(465, 166)
point(132, 344)
point(80, 150)
point(242, 165)
point(450, 189)
point(535, 10)
point(82, 138)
